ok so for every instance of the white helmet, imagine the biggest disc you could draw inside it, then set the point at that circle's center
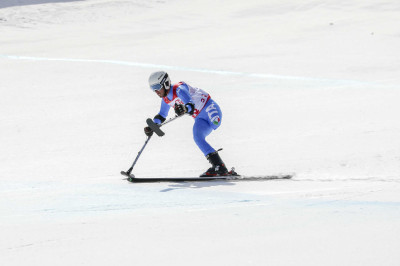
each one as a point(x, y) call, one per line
point(159, 79)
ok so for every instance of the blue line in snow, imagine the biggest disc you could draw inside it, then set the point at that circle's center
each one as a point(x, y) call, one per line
point(179, 68)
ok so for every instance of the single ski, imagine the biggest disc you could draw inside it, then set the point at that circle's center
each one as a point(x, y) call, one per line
point(133, 179)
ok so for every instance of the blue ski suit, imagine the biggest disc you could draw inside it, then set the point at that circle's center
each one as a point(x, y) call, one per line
point(207, 114)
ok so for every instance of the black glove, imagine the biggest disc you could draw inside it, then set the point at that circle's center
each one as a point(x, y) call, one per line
point(181, 109)
point(148, 131)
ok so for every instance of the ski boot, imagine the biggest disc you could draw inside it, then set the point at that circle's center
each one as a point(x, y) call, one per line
point(218, 167)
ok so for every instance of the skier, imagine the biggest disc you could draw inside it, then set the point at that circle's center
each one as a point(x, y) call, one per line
point(186, 99)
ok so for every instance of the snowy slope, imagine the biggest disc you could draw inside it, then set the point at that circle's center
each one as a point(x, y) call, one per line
point(309, 88)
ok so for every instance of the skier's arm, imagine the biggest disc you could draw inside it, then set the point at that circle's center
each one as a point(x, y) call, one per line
point(162, 115)
point(159, 118)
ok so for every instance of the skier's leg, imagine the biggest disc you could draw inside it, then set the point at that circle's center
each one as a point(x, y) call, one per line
point(207, 121)
point(201, 130)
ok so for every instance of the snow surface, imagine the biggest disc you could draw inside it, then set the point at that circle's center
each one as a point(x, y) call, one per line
point(306, 87)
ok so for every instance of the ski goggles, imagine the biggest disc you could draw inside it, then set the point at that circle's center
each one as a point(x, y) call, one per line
point(156, 87)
